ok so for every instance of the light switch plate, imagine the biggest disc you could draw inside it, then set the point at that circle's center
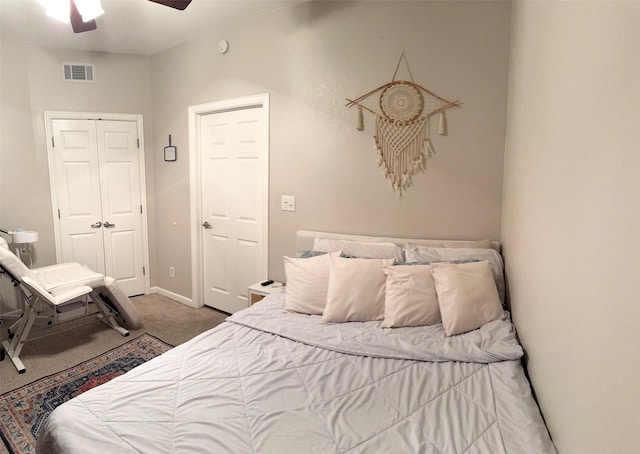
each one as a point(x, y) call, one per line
point(288, 203)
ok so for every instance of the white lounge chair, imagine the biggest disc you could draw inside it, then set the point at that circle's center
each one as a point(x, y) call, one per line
point(60, 293)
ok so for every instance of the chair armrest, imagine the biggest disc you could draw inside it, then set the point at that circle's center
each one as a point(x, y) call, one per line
point(53, 298)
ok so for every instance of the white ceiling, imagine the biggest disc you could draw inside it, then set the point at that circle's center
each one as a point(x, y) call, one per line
point(128, 26)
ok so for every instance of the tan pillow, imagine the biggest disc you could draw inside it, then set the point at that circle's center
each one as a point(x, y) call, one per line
point(426, 254)
point(410, 297)
point(307, 283)
point(467, 296)
point(356, 290)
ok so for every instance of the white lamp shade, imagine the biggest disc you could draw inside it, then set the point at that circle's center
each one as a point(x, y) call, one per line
point(24, 236)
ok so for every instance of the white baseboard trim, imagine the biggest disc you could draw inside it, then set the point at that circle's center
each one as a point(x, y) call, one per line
point(175, 296)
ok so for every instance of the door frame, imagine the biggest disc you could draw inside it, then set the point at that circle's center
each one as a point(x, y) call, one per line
point(49, 116)
point(195, 168)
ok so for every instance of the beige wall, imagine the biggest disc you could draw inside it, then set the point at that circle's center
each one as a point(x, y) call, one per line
point(571, 216)
point(309, 58)
point(30, 84)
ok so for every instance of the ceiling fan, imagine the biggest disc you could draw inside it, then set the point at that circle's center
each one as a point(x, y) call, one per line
point(82, 13)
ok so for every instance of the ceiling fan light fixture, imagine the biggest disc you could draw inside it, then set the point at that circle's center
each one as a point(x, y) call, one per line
point(89, 9)
point(82, 13)
point(58, 9)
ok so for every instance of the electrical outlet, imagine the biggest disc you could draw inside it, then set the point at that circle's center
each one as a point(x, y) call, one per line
point(172, 271)
point(288, 203)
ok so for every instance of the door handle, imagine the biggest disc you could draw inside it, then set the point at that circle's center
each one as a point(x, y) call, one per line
point(97, 225)
point(108, 225)
point(206, 225)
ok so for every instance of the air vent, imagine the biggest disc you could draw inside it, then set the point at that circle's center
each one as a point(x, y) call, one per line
point(77, 72)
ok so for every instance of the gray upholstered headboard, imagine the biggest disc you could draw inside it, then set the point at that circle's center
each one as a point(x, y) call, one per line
point(304, 240)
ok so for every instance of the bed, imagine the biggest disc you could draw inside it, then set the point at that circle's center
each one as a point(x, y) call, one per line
point(274, 380)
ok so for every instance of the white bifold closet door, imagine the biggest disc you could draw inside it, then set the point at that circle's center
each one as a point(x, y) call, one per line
point(98, 189)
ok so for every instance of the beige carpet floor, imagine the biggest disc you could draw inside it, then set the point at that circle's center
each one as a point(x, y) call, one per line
point(68, 344)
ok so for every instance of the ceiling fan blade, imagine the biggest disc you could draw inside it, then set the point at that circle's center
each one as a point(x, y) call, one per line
point(76, 20)
point(177, 4)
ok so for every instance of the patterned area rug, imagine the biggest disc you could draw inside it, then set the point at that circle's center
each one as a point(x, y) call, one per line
point(24, 410)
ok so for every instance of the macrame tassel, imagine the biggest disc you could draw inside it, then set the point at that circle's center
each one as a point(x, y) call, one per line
point(428, 144)
point(360, 120)
point(442, 127)
point(430, 149)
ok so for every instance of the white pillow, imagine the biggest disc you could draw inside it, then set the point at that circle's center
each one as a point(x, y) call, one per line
point(431, 255)
point(410, 297)
point(357, 249)
point(356, 290)
point(467, 296)
point(307, 283)
point(477, 244)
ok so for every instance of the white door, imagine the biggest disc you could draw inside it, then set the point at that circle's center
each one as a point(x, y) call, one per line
point(234, 168)
point(98, 195)
point(78, 192)
point(121, 204)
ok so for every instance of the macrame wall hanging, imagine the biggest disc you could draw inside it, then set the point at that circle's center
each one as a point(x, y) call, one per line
point(403, 111)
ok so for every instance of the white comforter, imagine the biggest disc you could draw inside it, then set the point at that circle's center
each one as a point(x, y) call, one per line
point(267, 381)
